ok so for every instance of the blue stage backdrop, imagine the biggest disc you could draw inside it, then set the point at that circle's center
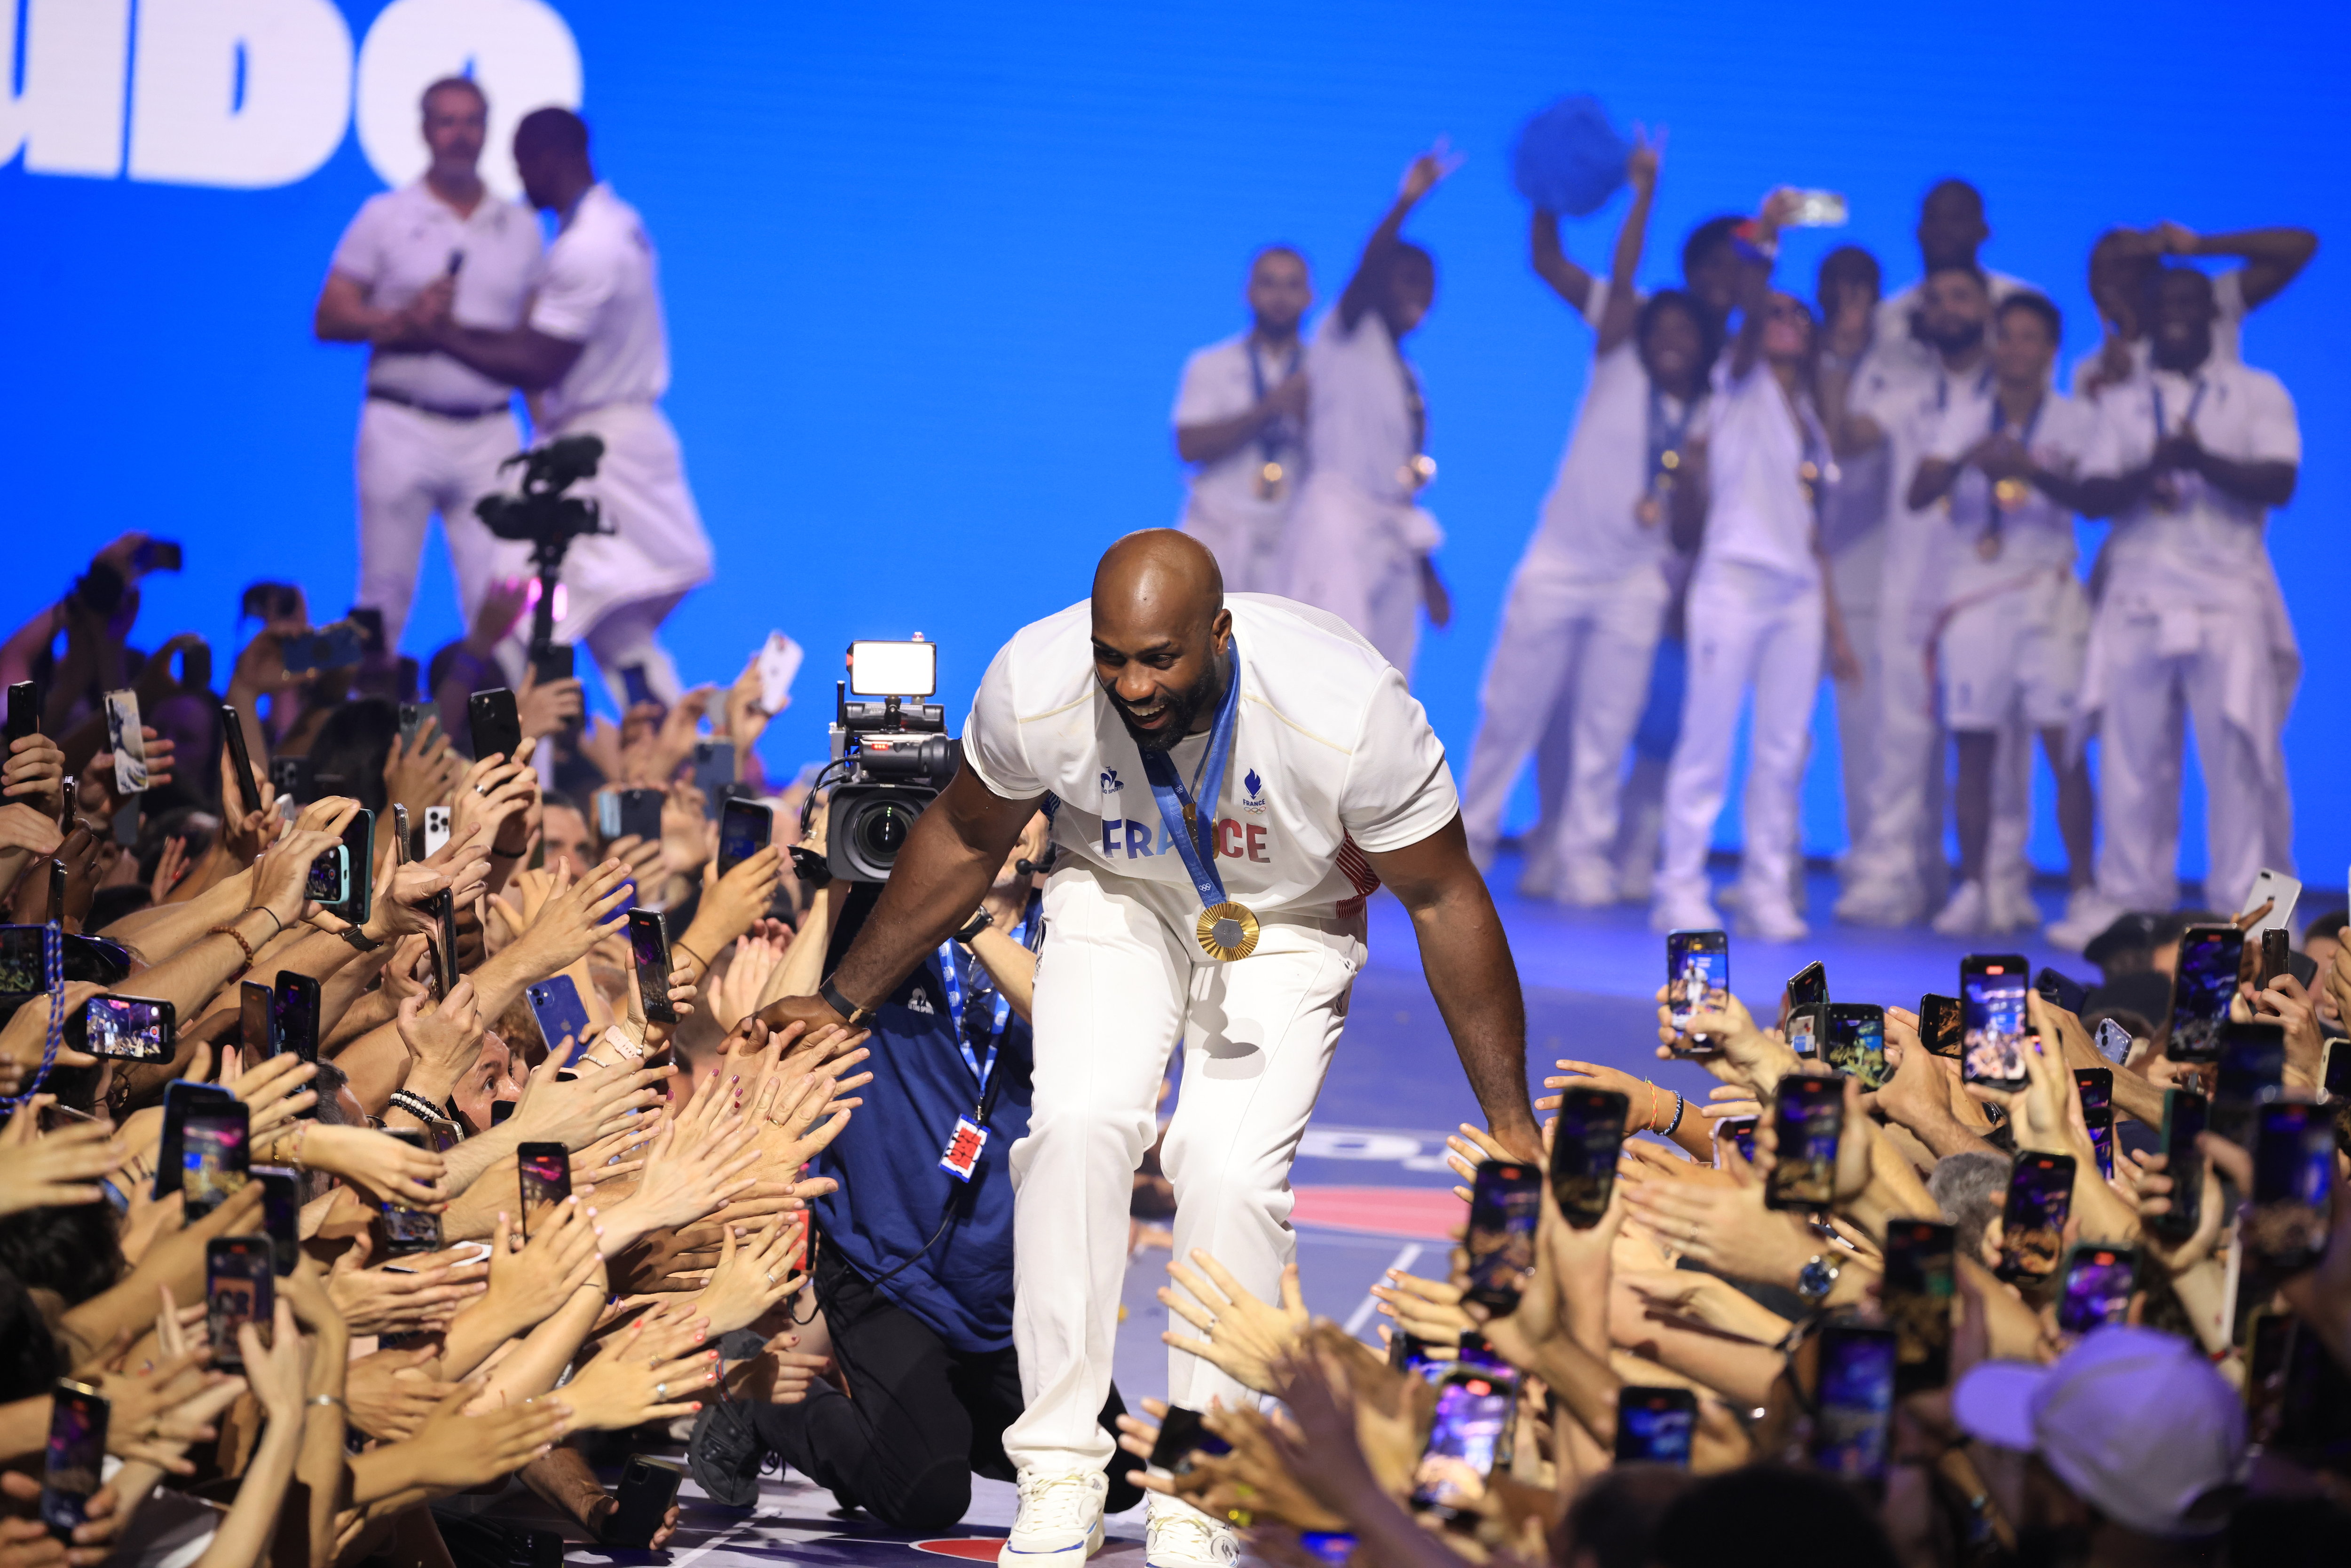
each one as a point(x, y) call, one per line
point(931, 270)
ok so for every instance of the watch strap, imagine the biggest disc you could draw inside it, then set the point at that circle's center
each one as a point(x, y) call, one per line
point(978, 922)
point(854, 1012)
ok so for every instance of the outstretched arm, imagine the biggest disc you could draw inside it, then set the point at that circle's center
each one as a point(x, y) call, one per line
point(1418, 179)
point(1623, 310)
point(1553, 264)
point(1755, 283)
point(1468, 961)
point(2274, 257)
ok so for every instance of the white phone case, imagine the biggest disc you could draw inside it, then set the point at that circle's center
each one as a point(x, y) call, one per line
point(2271, 885)
point(123, 737)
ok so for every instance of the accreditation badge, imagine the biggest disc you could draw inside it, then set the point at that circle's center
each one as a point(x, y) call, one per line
point(964, 1149)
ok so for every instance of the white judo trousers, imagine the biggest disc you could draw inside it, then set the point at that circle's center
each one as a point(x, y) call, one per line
point(1570, 664)
point(411, 467)
point(1120, 983)
point(1358, 556)
point(1748, 627)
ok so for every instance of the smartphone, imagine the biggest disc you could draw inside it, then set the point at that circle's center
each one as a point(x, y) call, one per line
point(2269, 1347)
point(2113, 1041)
point(2061, 991)
point(179, 1096)
point(1804, 1030)
point(444, 932)
point(412, 720)
point(126, 741)
point(745, 828)
point(2280, 892)
point(2097, 1087)
point(2294, 1186)
point(296, 1007)
point(2099, 1282)
point(1505, 1201)
point(2185, 1115)
point(76, 1455)
point(2334, 1072)
point(358, 902)
point(1654, 1426)
point(406, 1229)
point(1583, 1152)
point(330, 882)
point(623, 812)
point(546, 1170)
point(1916, 1289)
point(1181, 1436)
point(714, 769)
point(24, 710)
point(2313, 1418)
point(1331, 1548)
point(130, 1029)
point(556, 662)
point(1991, 1020)
point(155, 555)
point(1819, 210)
point(2202, 984)
point(562, 1018)
point(2040, 1201)
point(497, 722)
point(214, 1153)
point(2251, 1072)
point(636, 689)
point(1854, 1042)
point(1853, 1393)
point(648, 1487)
point(649, 944)
point(1940, 1027)
point(1739, 1132)
point(1811, 1124)
point(436, 830)
point(281, 1215)
point(1474, 1405)
point(249, 788)
point(1698, 974)
point(58, 881)
point(400, 853)
point(240, 1287)
point(1809, 986)
point(778, 661)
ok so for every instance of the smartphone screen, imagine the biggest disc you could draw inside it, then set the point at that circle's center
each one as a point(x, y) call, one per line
point(444, 932)
point(1804, 1030)
point(745, 826)
point(495, 723)
point(281, 1215)
point(1697, 975)
point(240, 1283)
point(1811, 1124)
point(179, 1096)
point(636, 688)
point(1180, 1437)
point(562, 1018)
point(2098, 1285)
point(127, 741)
point(1655, 1425)
point(297, 1007)
point(1739, 1132)
point(1993, 989)
point(130, 1029)
point(2252, 1061)
point(2185, 1113)
point(2293, 1183)
point(2335, 1073)
point(1583, 1153)
point(2097, 1087)
point(1473, 1411)
point(1940, 1027)
point(546, 1177)
point(358, 904)
point(1505, 1201)
point(649, 945)
point(2202, 983)
point(2040, 1201)
point(77, 1455)
point(406, 1229)
point(330, 876)
point(1809, 986)
point(1919, 1286)
point(257, 1020)
point(214, 1154)
point(1854, 1042)
point(1856, 1400)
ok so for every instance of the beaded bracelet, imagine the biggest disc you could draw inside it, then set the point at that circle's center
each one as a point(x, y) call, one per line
point(233, 935)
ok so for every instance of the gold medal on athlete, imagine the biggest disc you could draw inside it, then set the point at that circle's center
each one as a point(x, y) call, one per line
point(1227, 931)
point(2011, 493)
point(1271, 481)
point(1412, 476)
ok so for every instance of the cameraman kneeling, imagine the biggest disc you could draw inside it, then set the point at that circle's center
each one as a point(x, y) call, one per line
point(914, 1266)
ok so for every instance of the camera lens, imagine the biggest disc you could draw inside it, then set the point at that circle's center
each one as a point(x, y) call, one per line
point(883, 831)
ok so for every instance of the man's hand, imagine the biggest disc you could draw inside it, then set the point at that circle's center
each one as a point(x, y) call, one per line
point(1421, 176)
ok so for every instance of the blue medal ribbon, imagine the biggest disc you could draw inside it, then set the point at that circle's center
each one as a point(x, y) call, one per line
point(2194, 404)
point(951, 973)
point(1199, 853)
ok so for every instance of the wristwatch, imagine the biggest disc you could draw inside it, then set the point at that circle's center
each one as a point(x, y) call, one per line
point(980, 923)
point(1816, 1279)
point(856, 1015)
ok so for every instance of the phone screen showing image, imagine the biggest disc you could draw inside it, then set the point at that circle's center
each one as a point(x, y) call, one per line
point(240, 1283)
point(546, 1177)
point(281, 1215)
point(75, 1460)
point(2098, 1285)
point(1810, 1113)
point(1856, 1400)
point(1919, 1285)
point(128, 1028)
point(330, 876)
point(2097, 1087)
point(1940, 1027)
point(212, 1156)
point(649, 945)
point(2294, 1186)
point(298, 1014)
point(2040, 1201)
point(1697, 975)
point(127, 739)
point(257, 1020)
point(1854, 1042)
point(745, 828)
point(1654, 1426)
point(1739, 1132)
point(1992, 988)
point(2202, 984)
point(1473, 1412)
point(1583, 1153)
point(1505, 1201)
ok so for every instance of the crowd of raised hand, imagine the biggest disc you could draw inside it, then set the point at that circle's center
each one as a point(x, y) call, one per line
point(1683, 1367)
point(319, 1415)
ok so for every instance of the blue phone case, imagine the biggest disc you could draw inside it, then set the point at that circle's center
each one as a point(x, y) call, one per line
point(556, 1004)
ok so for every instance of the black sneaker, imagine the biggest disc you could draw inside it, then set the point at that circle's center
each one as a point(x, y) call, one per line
point(726, 1453)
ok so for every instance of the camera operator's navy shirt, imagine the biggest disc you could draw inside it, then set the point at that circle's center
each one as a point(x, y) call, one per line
point(893, 1193)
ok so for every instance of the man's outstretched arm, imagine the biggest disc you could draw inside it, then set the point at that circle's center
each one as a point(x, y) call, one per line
point(950, 860)
point(1468, 961)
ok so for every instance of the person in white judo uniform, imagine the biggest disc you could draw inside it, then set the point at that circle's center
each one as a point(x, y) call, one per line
point(2189, 622)
point(1241, 417)
point(432, 430)
point(1235, 775)
point(1759, 614)
point(1581, 623)
point(1358, 545)
point(594, 356)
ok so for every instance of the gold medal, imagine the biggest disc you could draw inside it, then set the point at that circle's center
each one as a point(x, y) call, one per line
point(2010, 493)
point(1412, 476)
point(1669, 460)
point(1270, 481)
point(1227, 931)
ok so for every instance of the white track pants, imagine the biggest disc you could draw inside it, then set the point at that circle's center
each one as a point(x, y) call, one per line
point(1901, 848)
point(1119, 982)
point(1576, 653)
point(1855, 571)
point(413, 465)
point(1748, 627)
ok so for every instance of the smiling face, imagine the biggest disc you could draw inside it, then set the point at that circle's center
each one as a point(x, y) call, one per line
point(1671, 347)
point(1160, 634)
point(2181, 337)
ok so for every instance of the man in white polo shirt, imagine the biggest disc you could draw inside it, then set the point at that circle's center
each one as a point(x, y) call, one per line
point(594, 356)
point(1240, 419)
point(434, 429)
point(1316, 778)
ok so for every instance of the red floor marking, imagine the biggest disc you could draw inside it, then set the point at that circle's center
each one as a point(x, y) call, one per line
point(977, 1548)
point(1421, 1213)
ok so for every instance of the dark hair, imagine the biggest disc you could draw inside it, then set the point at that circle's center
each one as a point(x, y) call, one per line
point(2330, 923)
point(1277, 248)
point(452, 84)
point(29, 1361)
point(1407, 258)
point(1713, 234)
point(67, 1248)
point(1848, 263)
point(551, 129)
point(1955, 187)
point(1969, 268)
point(1772, 1516)
point(1710, 331)
point(557, 800)
point(348, 754)
point(1614, 1517)
point(2039, 306)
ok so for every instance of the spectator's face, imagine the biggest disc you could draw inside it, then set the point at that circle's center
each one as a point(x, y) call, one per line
point(1279, 292)
point(489, 1079)
point(568, 842)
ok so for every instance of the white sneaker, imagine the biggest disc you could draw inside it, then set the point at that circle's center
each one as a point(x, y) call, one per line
point(1768, 919)
point(2010, 906)
point(1585, 887)
point(1881, 903)
point(1180, 1536)
point(1969, 912)
point(1060, 1521)
point(1682, 912)
point(2087, 914)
